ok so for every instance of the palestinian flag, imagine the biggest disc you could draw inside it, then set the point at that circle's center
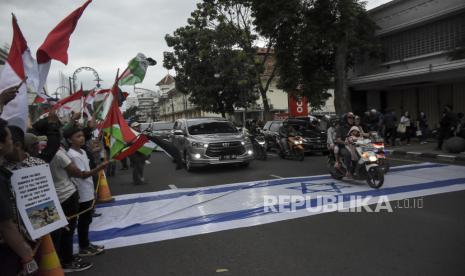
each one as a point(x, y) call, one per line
point(73, 103)
point(124, 141)
point(135, 73)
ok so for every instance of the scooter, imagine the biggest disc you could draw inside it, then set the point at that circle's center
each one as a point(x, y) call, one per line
point(366, 168)
point(296, 148)
point(378, 144)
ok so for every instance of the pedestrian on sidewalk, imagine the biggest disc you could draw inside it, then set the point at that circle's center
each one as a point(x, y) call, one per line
point(405, 128)
point(422, 128)
point(447, 126)
point(390, 122)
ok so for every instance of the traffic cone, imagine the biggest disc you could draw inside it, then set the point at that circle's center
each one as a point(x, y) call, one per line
point(49, 264)
point(104, 194)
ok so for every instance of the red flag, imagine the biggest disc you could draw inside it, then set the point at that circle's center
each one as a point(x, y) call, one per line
point(18, 47)
point(13, 73)
point(56, 44)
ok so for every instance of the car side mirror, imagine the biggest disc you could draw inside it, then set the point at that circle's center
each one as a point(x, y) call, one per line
point(178, 132)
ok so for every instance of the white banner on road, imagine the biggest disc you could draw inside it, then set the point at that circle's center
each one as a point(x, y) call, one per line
point(37, 200)
point(149, 217)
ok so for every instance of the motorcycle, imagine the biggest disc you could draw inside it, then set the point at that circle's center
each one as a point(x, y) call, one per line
point(378, 144)
point(366, 168)
point(258, 142)
point(259, 146)
point(296, 148)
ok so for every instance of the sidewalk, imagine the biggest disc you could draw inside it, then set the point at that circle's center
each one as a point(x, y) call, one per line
point(415, 149)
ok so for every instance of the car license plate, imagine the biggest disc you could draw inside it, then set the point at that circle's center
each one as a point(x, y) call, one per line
point(228, 157)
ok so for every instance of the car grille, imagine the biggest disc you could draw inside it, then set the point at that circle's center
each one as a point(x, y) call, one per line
point(225, 148)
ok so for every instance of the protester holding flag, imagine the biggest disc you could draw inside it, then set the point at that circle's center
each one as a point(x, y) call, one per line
point(75, 137)
point(7, 96)
point(15, 253)
point(138, 160)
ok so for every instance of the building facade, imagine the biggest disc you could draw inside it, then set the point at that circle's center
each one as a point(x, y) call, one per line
point(417, 71)
point(147, 104)
point(174, 105)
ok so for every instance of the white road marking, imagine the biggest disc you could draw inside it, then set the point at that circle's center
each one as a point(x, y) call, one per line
point(172, 186)
point(276, 176)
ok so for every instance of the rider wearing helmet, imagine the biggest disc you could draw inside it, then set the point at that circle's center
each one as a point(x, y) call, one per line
point(285, 131)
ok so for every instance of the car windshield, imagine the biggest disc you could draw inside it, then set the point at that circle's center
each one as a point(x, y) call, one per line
point(210, 127)
point(163, 126)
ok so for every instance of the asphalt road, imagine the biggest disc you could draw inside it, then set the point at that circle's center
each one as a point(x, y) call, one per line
point(426, 241)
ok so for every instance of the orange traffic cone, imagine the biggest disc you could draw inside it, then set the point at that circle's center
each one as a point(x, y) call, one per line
point(104, 194)
point(49, 264)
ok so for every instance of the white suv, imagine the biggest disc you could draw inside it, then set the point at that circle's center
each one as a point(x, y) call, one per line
point(210, 141)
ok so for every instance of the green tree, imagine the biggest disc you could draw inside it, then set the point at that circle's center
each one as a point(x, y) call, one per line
point(317, 42)
point(215, 57)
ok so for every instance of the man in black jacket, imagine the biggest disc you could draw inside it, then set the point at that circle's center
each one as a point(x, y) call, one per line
point(447, 125)
point(15, 253)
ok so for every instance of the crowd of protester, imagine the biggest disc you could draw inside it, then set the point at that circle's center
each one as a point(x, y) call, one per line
point(75, 154)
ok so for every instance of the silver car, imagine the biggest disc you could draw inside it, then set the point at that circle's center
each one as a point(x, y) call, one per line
point(210, 141)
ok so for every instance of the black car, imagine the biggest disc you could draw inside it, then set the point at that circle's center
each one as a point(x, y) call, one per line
point(161, 129)
point(314, 137)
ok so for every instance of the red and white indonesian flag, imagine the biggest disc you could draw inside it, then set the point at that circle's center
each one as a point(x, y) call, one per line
point(18, 63)
point(73, 103)
point(56, 45)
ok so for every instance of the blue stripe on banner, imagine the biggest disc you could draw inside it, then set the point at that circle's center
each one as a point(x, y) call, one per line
point(265, 183)
point(139, 229)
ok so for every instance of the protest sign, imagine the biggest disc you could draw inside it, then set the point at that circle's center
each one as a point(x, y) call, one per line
point(37, 200)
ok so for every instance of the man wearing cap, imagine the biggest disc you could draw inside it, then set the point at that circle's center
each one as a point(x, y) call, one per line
point(137, 161)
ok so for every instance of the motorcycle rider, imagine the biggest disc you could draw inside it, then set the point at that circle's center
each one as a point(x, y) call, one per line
point(285, 131)
point(341, 134)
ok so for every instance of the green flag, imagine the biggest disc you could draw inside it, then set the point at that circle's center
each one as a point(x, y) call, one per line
point(136, 70)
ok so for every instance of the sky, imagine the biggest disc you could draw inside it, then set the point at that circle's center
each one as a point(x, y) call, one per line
point(108, 35)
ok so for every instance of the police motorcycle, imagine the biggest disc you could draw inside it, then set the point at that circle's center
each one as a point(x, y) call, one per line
point(378, 144)
point(368, 167)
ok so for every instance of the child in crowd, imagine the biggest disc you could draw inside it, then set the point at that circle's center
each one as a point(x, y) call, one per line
point(85, 185)
point(354, 135)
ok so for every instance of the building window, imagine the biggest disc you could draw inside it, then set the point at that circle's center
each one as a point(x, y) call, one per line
point(433, 37)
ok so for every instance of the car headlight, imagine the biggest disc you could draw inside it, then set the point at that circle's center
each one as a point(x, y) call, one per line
point(243, 143)
point(199, 145)
point(372, 158)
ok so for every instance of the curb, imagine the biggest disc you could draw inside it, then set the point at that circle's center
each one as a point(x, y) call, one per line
point(443, 157)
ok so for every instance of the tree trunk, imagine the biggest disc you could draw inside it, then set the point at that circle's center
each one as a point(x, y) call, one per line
point(341, 91)
point(266, 104)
